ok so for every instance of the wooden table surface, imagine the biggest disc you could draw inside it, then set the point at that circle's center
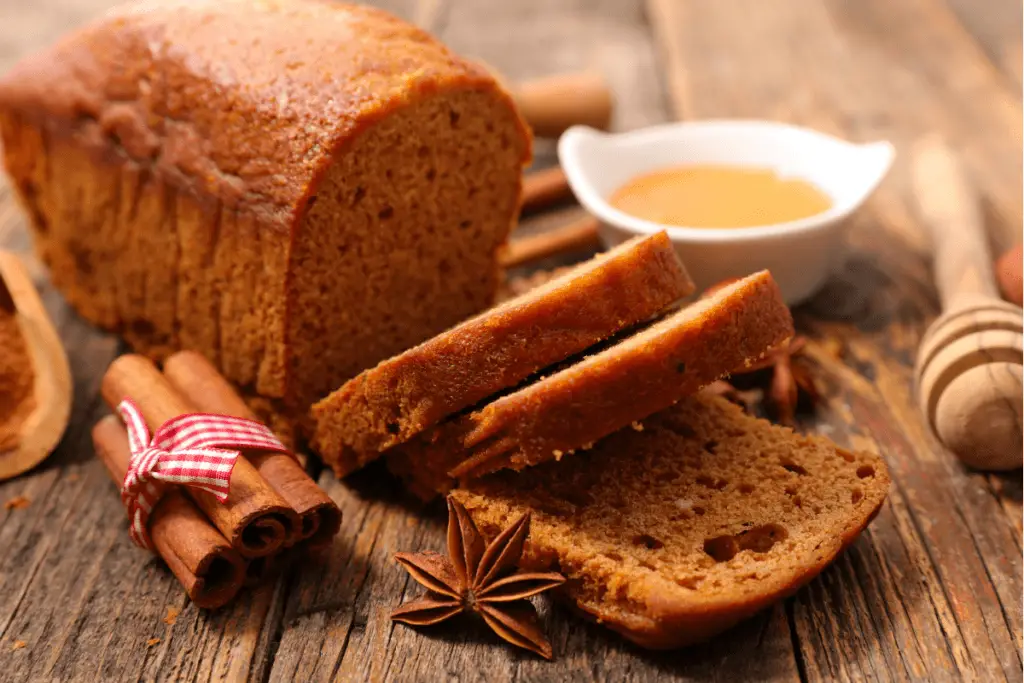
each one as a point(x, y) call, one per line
point(932, 591)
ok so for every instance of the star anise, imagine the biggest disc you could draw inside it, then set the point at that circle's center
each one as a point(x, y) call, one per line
point(788, 378)
point(748, 399)
point(480, 580)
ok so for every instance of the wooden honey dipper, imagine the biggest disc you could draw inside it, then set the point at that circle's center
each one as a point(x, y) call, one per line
point(968, 371)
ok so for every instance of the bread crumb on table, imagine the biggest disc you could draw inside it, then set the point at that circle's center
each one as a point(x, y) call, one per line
point(152, 641)
point(172, 616)
point(17, 503)
point(18, 644)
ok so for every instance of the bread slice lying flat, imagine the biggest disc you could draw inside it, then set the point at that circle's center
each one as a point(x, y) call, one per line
point(404, 395)
point(571, 409)
point(672, 533)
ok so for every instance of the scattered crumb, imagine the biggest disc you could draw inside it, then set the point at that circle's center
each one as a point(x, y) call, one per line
point(18, 644)
point(638, 426)
point(152, 641)
point(172, 616)
point(17, 503)
point(558, 454)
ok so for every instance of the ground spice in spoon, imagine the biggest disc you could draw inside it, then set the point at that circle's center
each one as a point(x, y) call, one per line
point(16, 377)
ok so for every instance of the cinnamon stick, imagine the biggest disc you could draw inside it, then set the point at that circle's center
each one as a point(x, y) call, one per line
point(581, 234)
point(255, 519)
point(202, 560)
point(199, 383)
point(551, 105)
point(543, 188)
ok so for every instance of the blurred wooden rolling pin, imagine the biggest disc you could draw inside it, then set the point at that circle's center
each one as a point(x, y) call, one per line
point(968, 370)
point(552, 104)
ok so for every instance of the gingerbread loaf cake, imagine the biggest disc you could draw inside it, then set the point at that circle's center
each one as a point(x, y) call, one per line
point(294, 188)
point(572, 408)
point(672, 534)
point(404, 395)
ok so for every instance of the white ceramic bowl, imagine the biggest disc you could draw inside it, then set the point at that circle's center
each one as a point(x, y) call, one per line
point(800, 254)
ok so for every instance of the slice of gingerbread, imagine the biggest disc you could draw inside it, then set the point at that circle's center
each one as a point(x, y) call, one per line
point(573, 407)
point(405, 395)
point(673, 534)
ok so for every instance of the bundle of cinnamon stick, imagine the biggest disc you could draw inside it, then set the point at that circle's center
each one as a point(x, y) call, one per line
point(273, 507)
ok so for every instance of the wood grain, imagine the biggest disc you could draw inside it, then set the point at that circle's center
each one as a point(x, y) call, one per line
point(936, 609)
point(930, 593)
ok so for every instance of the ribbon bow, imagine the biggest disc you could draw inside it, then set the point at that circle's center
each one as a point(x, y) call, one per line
point(188, 450)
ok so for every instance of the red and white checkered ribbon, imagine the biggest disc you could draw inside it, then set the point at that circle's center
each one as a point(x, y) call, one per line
point(189, 450)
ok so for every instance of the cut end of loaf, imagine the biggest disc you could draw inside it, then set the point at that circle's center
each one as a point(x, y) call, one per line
point(403, 238)
point(711, 516)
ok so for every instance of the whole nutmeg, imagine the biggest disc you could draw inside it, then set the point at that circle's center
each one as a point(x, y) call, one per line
point(1008, 273)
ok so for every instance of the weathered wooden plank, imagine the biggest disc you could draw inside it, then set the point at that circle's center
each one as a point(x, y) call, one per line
point(932, 591)
point(30, 26)
point(927, 77)
point(996, 26)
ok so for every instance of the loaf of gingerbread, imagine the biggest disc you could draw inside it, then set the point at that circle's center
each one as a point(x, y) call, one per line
point(296, 189)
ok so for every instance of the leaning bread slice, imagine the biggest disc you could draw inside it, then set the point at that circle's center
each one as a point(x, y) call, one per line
point(404, 395)
point(571, 409)
point(673, 534)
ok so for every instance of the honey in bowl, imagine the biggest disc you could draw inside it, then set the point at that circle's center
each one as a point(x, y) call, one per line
point(719, 197)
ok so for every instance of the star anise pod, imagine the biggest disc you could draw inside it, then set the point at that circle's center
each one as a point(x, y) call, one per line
point(748, 399)
point(788, 379)
point(479, 580)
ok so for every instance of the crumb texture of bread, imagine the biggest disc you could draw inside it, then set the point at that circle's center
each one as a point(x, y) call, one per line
point(496, 350)
point(296, 189)
point(672, 534)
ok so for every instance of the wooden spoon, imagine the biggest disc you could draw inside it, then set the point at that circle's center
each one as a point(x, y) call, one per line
point(42, 429)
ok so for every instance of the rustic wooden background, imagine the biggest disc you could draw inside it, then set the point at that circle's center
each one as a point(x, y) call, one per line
point(932, 591)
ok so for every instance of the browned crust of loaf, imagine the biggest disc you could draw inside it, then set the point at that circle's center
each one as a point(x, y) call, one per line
point(668, 624)
point(623, 384)
point(233, 106)
point(406, 394)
